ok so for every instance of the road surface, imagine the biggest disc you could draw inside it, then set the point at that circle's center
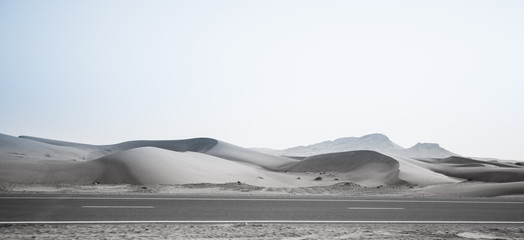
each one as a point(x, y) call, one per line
point(165, 209)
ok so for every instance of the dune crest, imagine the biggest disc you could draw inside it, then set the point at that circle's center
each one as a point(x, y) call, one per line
point(235, 153)
point(475, 170)
point(207, 160)
point(150, 165)
point(357, 166)
point(12, 148)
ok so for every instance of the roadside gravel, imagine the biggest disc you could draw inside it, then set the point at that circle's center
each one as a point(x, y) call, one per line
point(261, 231)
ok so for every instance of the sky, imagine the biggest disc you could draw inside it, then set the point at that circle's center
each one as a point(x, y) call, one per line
point(272, 73)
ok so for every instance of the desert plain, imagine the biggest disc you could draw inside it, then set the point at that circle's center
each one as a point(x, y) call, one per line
point(367, 166)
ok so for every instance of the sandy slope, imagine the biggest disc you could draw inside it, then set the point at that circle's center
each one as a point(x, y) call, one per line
point(18, 160)
point(202, 145)
point(463, 161)
point(477, 189)
point(193, 145)
point(416, 172)
point(148, 165)
point(206, 160)
point(479, 171)
point(12, 148)
point(235, 153)
point(94, 151)
point(49, 171)
point(355, 166)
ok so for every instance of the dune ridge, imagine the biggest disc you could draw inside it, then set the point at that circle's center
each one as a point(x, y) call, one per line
point(481, 173)
point(355, 166)
point(49, 171)
point(19, 148)
point(206, 160)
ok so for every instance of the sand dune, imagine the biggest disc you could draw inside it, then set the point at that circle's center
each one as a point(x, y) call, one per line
point(49, 171)
point(145, 165)
point(193, 145)
point(12, 148)
point(149, 165)
point(416, 172)
point(475, 170)
point(356, 166)
point(38, 160)
point(235, 153)
point(206, 160)
point(97, 151)
point(478, 189)
point(81, 146)
point(202, 145)
point(465, 162)
point(485, 174)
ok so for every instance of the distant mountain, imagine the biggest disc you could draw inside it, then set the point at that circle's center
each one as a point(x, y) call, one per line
point(371, 160)
point(375, 142)
point(422, 150)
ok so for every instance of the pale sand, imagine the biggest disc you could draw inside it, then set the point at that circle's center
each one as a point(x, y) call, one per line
point(212, 168)
point(158, 166)
point(205, 160)
point(477, 189)
point(341, 189)
point(384, 168)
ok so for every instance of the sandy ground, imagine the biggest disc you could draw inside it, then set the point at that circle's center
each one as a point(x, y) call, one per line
point(341, 189)
point(29, 165)
point(261, 231)
point(202, 160)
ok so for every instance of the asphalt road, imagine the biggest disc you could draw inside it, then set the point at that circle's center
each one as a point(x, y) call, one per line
point(139, 208)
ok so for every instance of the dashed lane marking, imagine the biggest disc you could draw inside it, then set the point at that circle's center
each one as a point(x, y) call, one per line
point(118, 207)
point(371, 208)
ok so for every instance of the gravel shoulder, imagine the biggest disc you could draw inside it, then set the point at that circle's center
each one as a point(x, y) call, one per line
point(261, 231)
point(342, 189)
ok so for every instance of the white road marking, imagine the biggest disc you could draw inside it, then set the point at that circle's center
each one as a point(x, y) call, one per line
point(263, 199)
point(262, 221)
point(118, 206)
point(371, 208)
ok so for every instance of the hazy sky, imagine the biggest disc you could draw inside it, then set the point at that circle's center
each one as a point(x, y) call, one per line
point(266, 73)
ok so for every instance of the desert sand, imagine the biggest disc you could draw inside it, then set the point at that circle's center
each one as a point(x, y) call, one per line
point(207, 167)
point(30, 160)
point(261, 231)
